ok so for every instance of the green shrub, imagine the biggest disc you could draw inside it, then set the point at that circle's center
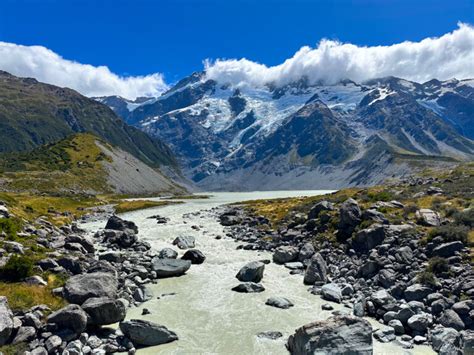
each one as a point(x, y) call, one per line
point(426, 278)
point(17, 268)
point(11, 226)
point(438, 265)
point(450, 233)
point(380, 196)
point(409, 209)
point(465, 218)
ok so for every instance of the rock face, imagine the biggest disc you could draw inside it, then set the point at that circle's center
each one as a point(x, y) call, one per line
point(316, 271)
point(79, 288)
point(251, 272)
point(285, 254)
point(6, 321)
point(119, 224)
point(103, 310)
point(71, 317)
point(195, 256)
point(336, 335)
point(170, 267)
point(185, 242)
point(145, 333)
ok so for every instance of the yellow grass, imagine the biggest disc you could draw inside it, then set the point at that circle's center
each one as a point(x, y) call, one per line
point(134, 205)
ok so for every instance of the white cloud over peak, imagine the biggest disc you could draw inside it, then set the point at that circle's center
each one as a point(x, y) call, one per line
point(46, 66)
point(445, 57)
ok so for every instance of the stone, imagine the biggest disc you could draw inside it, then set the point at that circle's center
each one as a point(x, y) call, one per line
point(194, 255)
point(168, 253)
point(70, 317)
point(24, 334)
point(279, 302)
point(404, 255)
point(342, 334)
point(13, 247)
point(386, 278)
point(374, 215)
point(248, 287)
point(53, 343)
point(6, 321)
point(306, 252)
point(320, 207)
point(331, 292)
point(47, 264)
point(397, 326)
point(104, 310)
point(251, 272)
point(416, 292)
point(185, 242)
point(385, 335)
point(382, 298)
point(451, 319)
point(36, 281)
point(273, 335)
point(170, 267)
point(350, 217)
point(367, 239)
point(446, 250)
point(463, 307)
point(441, 336)
point(428, 217)
point(316, 270)
point(327, 307)
point(117, 223)
point(419, 339)
point(145, 333)
point(420, 322)
point(467, 342)
point(79, 288)
point(285, 254)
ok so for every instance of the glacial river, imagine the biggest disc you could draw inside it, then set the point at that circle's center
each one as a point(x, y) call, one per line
point(200, 307)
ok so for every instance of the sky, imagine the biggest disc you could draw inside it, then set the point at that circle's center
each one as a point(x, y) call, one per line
point(135, 48)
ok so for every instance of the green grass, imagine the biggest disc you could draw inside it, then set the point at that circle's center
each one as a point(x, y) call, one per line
point(134, 205)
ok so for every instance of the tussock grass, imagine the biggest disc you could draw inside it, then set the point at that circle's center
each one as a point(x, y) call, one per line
point(134, 205)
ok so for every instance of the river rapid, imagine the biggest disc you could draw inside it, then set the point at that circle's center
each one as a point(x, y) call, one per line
point(200, 307)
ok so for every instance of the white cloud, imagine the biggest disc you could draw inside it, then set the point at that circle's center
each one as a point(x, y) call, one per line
point(47, 66)
point(445, 57)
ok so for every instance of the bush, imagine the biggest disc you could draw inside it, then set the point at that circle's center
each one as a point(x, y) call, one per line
point(465, 218)
point(17, 268)
point(426, 278)
point(438, 265)
point(380, 196)
point(10, 226)
point(450, 233)
point(409, 209)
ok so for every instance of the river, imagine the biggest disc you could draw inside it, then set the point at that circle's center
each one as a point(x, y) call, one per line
point(200, 307)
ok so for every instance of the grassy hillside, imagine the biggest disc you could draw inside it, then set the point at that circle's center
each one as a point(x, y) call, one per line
point(33, 114)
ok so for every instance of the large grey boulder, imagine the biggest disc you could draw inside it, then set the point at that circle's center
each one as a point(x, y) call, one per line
point(417, 292)
point(320, 207)
point(79, 288)
point(168, 253)
point(104, 310)
point(367, 239)
point(420, 322)
point(446, 250)
point(344, 334)
point(195, 256)
point(70, 317)
point(248, 287)
point(185, 242)
point(6, 321)
point(306, 252)
point(428, 217)
point(316, 270)
point(117, 223)
point(331, 292)
point(251, 272)
point(285, 254)
point(279, 302)
point(170, 267)
point(441, 336)
point(451, 319)
point(349, 217)
point(24, 334)
point(145, 333)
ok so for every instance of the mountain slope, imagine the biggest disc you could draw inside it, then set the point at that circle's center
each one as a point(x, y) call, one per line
point(310, 136)
point(81, 164)
point(33, 113)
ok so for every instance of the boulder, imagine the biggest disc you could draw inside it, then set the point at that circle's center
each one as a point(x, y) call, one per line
point(185, 242)
point(404, 255)
point(251, 272)
point(441, 336)
point(397, 326)
point(104, 310)
point(70, 317)
point(119, 224)
point(386, 278)
point(420, 322)
point(350, 217)
point(53, 343)
point(170, 267)
point(337, 335)
point(385, 335)
point(279, 302)
point(79, 288)
point(125, 239)
point(306, 252)
point(24, 334)
point(145, 333)
point(467, 342)
point(6, 321)
point(320, 207)
point(416, 292)
point(374, 215)
point(428, 217)
point(285, 254)
point(4, 213)
point(331, 292)
point(451, 319)
point(230, 218)
point(273, 335)
point(195, 256)
point(367, 239)
point(248, 287)
point(446, 250)
point(47, 264)
point(168, 253)
point(316, 270)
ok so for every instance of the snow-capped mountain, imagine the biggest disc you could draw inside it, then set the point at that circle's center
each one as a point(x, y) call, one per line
point(308, 136)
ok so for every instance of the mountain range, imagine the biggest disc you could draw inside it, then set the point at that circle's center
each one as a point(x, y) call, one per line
point(304, 135)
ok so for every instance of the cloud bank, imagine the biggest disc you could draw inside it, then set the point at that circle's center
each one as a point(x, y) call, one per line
point(445, 57)
point(47, 66)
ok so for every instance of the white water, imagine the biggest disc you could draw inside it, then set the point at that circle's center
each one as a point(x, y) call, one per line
point(208, 317)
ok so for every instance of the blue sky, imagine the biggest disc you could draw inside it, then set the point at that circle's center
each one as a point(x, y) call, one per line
point(173, 37)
